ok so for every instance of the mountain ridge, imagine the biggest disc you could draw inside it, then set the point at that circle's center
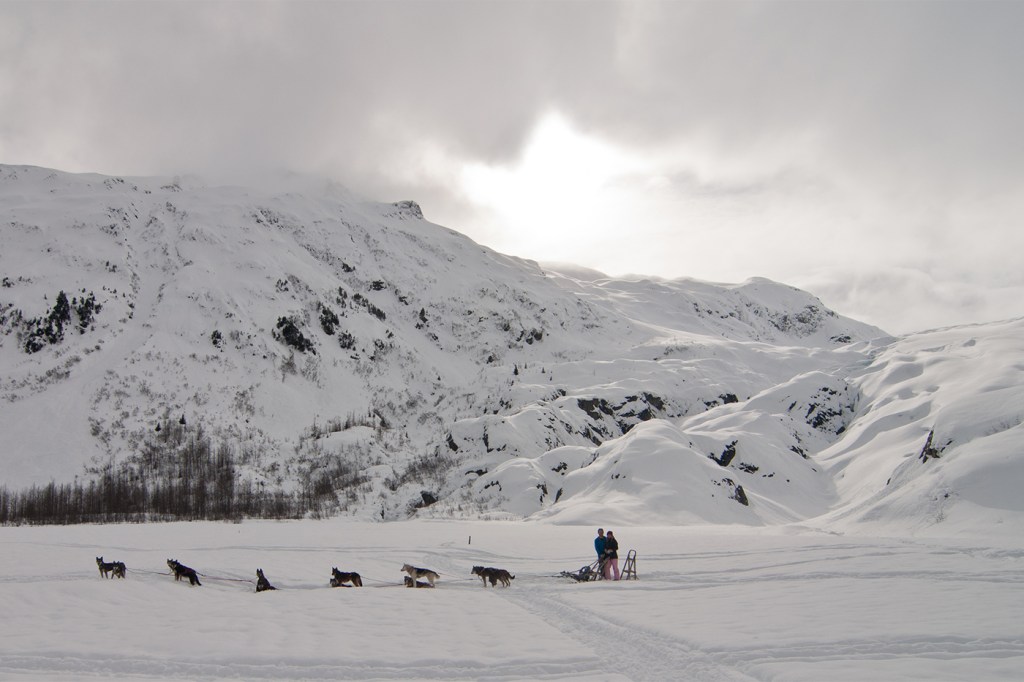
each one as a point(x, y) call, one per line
point(271, 319)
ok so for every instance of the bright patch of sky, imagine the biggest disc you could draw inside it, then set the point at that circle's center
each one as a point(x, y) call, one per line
point(560, 196)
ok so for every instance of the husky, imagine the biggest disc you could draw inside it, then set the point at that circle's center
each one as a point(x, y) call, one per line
point(110, 569)
point(416, 573)
point(484, 574)
point(262, 584)
point(182, 571)
point(104, 567)
point(504, 577)
point(409, 582)
point(495, 575)
point(339, 578)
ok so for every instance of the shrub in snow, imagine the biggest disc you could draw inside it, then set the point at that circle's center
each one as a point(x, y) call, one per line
point(370, 307)
point(346, 341)
point(288, 333)
point(328, 320)
point(85, 308)
point(49, 329)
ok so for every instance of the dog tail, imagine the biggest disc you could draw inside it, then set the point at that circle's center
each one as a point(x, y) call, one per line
point(194, 579)
point(357, 580)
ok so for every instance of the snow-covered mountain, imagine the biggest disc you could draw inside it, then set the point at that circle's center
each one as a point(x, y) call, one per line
point(398, 367)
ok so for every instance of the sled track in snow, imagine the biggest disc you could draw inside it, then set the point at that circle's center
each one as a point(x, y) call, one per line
point(641, 655)
point(76, 667)
point(634, 653)
point(852, 650)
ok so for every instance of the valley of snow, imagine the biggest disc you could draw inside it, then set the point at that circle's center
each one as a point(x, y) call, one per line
point(710, 603)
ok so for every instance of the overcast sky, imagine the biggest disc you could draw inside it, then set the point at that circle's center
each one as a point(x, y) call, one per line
point(868, 152)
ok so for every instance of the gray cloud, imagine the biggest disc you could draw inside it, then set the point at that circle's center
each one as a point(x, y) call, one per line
point(798, 138)
point(347, 84)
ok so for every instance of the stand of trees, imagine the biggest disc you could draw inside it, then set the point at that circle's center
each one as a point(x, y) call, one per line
point(114, 498)
point(177, 476)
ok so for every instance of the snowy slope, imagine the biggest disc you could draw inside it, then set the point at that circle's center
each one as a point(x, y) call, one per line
point(938, 439)
point(305, 329)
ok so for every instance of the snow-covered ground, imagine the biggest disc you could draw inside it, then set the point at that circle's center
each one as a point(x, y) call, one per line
point(711, 603)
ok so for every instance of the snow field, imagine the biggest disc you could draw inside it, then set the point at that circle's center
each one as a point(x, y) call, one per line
point(712, 603)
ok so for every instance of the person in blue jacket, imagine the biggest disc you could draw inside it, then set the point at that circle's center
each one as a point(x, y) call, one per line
point(599, 543)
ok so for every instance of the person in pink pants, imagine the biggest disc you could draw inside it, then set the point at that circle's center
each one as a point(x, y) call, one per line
point(611, 557)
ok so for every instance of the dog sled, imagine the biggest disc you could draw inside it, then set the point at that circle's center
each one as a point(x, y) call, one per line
point(595, 571)
point(586, 573)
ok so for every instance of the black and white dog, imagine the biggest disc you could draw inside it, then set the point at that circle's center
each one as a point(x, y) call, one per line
point(182, 571)
point(262, 584)
point(339, 578)
point(115, 569)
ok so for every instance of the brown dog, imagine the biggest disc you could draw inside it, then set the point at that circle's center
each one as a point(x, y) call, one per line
point(495, 575)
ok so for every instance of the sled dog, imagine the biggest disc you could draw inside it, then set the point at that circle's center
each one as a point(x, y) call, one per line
point(111, 569)
point(495, 575)
point(262, 584)
point(504, 577)
point(409, 582)
point(182, 571)
point(416, 573)
point(339, 578)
